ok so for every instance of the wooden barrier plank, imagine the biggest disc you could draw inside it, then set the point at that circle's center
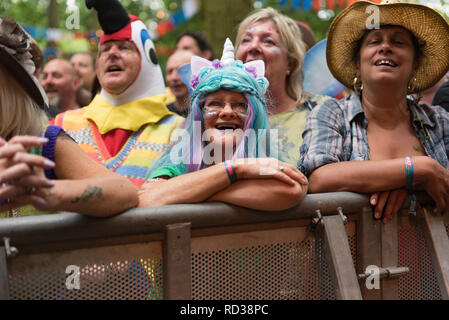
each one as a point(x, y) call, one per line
point(339, 259)
point(389, 244)
point(438, 242)
point(368, 249)
point(4, 287)
point(177, 262)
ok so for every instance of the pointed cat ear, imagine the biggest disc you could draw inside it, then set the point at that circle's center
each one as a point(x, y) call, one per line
point(258, 65)
point(198, 63)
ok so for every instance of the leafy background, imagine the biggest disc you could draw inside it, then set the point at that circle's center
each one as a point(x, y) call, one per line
point(217, 19)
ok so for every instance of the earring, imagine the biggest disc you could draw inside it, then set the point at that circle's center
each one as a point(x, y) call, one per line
point(357, 87)
point(288, 72)
point(411, 86)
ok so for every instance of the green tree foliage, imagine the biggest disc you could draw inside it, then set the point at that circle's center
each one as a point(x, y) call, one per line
point(216, 19)
point(318, 25)
point(26, 11)
point(221, 18)
point(36, 12)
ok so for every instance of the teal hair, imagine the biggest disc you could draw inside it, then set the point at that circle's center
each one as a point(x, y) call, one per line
point(234, 78)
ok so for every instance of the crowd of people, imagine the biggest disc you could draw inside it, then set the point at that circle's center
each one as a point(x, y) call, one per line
point(102, 135)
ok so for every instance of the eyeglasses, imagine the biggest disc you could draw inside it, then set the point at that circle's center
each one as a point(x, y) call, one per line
point(213, 108)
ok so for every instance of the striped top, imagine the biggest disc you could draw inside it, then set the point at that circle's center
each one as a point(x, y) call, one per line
point(144, 145)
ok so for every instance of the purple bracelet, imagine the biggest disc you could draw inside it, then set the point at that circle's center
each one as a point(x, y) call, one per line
point(3, 201)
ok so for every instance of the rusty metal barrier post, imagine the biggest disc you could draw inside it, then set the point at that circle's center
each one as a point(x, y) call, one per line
point(389, 245)
point(438, 242)
point(177, 262)
point(339, 258)
point(368, 249)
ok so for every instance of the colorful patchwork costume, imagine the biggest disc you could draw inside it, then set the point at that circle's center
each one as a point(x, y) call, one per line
point(125, 132)
point(149, 138)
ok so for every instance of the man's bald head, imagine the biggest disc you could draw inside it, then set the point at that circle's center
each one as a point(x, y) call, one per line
point(176, 60)
point(180, 57)
point(64, 66)
point(61, 82)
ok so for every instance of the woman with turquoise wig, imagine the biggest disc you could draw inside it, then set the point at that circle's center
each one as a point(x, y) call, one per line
point(225, 152)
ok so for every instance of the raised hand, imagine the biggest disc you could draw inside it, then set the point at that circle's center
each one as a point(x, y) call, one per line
point(19, 176)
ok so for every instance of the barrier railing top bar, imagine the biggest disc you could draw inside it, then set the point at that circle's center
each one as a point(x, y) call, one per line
point(71, 226)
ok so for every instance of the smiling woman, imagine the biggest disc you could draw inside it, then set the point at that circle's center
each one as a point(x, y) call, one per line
point(275, 39)
point(224, 112)
point(225, 135)
point(400, 145)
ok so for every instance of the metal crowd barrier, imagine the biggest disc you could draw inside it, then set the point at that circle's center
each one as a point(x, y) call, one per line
point(328, 247)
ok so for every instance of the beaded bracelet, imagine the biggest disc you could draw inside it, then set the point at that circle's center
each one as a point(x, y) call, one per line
point(408, 173)
point(230, 170)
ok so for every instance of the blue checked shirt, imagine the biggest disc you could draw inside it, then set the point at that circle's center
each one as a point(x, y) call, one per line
point(336, 131)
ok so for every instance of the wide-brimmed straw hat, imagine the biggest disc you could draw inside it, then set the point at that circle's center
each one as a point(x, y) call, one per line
point(427, 25)
point(16, 57)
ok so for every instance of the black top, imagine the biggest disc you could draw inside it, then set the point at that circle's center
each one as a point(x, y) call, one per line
point(172, 108)
point(441, 97)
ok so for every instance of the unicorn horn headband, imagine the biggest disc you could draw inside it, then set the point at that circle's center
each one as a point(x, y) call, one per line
point(197, 64)
point(228, 53)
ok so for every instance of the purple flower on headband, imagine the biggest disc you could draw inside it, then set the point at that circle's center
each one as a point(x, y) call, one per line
point(217, 64)
point(251, 70)
point(194, 82)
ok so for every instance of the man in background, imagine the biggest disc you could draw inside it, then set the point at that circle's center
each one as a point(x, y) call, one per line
point(177, 87)
point(61, 83)
point(84, 64)
point(196, 43)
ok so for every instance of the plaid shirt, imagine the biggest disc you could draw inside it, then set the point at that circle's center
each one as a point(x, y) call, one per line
point(336, 131)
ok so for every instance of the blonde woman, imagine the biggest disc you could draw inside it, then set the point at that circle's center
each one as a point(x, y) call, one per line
point(276, 39)
point(64, 178)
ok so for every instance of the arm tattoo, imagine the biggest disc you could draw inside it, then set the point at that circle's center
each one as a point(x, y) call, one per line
point(64, 136)
point(89, 193)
